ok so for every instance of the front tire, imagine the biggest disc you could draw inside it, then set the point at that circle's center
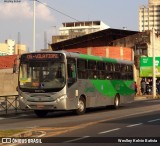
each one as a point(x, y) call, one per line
point(81, 106)
point(41, 113)
point(116, 102)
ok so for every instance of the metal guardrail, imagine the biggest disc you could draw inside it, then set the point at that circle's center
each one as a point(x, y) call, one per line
point(9, 102)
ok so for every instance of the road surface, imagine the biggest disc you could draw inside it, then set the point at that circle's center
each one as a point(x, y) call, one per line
point(136, 123)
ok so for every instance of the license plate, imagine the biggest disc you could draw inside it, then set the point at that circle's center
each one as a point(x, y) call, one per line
point(40, 106)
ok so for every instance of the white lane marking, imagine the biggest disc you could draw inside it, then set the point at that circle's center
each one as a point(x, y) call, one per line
point(109, 131)
point(133, 125)
point(77, 139)
point(20, 116)
point(14, 117)
point(153, 100)
point(129, 115)
point(153, 120)
point(1, 118)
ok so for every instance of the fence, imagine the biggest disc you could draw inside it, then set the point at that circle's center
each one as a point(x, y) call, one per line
point(9, 102)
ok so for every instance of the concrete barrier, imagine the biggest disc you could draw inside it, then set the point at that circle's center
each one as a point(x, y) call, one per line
point(8, 103)
point(8, 84)
point(8, 93)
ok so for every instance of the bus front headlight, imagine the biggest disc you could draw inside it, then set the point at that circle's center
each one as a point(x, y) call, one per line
point(21, 98)
point(61, 98)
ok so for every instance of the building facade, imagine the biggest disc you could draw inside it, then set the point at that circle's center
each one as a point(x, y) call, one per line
point(149, 16)
point(7, 48)
point(71, 30)
point(7, 62)
point(10, 48)
point(122, 53)
point(81, 28)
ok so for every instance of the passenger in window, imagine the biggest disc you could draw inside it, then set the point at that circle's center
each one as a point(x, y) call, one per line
point(94, 67)
point(71, 74)
point(101, 75)
point(94, 72)
point(91, 74)
point(109, 77)
point(59, 72)
point(135, 88)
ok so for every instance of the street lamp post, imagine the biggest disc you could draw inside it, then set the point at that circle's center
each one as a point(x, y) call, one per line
point(34, 25)
point(154, 73)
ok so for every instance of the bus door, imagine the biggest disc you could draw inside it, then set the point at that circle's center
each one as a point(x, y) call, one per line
point(71, 71)
point(72, 88)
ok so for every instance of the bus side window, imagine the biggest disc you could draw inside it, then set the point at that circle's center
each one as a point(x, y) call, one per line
point(117, 71)
point(92, 69)
point(123, 72)
point(101, 70)
point(129, 72)
point(82, 69)
point(109, 71)
point(71, 68)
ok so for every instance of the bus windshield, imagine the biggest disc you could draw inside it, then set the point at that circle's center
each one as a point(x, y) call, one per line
point(42, 75)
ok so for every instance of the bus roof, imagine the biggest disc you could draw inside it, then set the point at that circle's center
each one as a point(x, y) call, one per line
point(85, 56)
point(96, 58)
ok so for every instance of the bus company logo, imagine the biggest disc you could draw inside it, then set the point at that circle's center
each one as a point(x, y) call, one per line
point(12, 1)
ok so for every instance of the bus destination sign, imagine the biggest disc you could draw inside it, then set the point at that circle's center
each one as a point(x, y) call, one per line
point(41, 56)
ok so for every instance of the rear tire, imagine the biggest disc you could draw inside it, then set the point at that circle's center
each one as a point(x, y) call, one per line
point(41, 113)
point(116, 102)
point(81, 106)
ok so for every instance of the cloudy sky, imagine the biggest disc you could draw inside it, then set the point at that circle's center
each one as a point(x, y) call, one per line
point(18, 17)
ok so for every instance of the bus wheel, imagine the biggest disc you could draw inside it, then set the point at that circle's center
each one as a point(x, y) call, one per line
point(81, 106)
point(116, 102)
point(41, 113)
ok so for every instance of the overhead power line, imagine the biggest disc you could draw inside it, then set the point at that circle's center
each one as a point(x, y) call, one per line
point(57, 10)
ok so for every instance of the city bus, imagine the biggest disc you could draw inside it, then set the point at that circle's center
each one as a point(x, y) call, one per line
point(59, 80)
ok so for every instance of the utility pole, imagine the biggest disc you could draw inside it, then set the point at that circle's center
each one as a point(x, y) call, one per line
point(34, 24)
point(19, 42)
point(154, 73)
point(45, 40)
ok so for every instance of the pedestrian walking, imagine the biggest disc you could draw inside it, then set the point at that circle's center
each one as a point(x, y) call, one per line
point(143, 87)
point(158, 86)
point(135, 87)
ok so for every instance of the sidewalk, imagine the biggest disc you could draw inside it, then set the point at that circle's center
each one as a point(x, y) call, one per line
point(145, 97)
point(12, 112)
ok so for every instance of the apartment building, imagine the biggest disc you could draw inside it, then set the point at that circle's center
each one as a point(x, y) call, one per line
point(10, 48)
point(149, 16)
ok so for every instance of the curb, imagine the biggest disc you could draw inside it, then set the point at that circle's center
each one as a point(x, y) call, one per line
point(13, 112)
point(143, 97)
point(147, 97)
point(30, 133)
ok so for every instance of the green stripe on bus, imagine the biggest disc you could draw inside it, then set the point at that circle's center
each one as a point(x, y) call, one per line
point(110, 88)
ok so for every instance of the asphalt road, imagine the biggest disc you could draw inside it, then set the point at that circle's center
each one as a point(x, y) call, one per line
point(136, 123)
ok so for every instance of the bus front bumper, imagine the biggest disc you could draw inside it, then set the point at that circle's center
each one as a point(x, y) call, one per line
point(58, 104)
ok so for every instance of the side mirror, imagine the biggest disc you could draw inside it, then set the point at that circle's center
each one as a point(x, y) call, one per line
point(17, 88)
point(14, 68)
